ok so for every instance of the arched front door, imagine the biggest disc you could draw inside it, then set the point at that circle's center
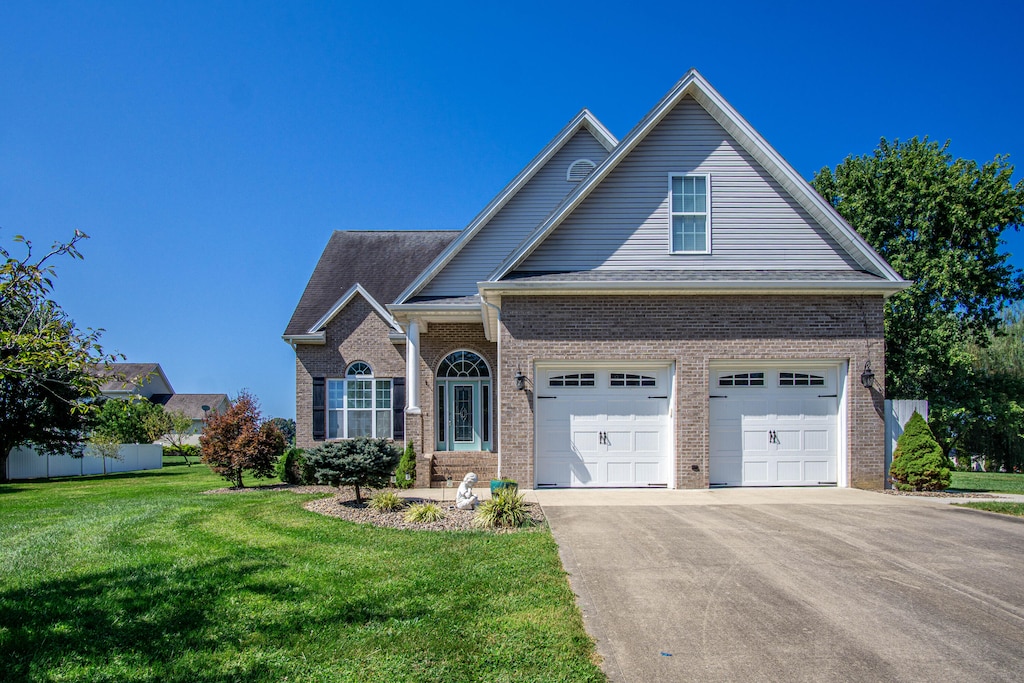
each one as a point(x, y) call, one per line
point(463, 403)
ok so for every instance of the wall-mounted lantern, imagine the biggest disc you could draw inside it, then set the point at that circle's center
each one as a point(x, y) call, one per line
point(521, 380)
point(867, 378)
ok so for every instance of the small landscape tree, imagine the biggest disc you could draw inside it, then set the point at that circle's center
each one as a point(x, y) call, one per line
point(406, 467)
point(240, 440)
point(130, 420)
point(354, 462)
point(287, 427)
point(919, 463)
point(179, 429)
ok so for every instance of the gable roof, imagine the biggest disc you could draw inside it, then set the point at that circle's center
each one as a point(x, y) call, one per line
point(584, 120)
point(129, 377)
point(378, 265)
point(191, 404)
point(694, 85)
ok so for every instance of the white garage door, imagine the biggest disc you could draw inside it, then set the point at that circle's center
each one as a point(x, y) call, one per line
point(774, 426)
point(603, 427)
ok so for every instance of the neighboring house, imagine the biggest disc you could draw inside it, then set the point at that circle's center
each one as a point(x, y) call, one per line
point(678, 309)
point(133, 379)
point(193, 406)
point(149, 381)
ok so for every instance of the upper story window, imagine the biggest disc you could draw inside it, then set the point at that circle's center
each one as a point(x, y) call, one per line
point(579, 169)
point(359, 405)
point(690, 226)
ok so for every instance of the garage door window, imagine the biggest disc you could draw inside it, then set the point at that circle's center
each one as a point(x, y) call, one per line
point(742, 379)
point(800, 379)
point(626, 379)
point(579, 379)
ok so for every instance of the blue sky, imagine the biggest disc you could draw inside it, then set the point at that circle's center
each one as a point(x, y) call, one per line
point(209, 149)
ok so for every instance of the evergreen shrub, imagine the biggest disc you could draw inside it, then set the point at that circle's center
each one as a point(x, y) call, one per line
point(407, 465)
point(919, 464)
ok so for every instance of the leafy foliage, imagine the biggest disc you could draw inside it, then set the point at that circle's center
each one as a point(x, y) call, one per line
point(185, 451)
point(406, 467)
point(424, 513)
point(130, 420)
point(354, 462)
point(919, 464)
point(938, 222)
point(46, 362)
point(177, 429)
point(505, 509)
point(287, 427)
point(240, 440)
point(387, 501)
point(293, 468)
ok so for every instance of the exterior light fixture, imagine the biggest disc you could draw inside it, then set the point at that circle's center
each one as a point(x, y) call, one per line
point(520, 379)
point(867, 378)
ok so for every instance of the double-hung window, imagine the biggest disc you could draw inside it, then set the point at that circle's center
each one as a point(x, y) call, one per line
point(690, 219)
point(359, 405)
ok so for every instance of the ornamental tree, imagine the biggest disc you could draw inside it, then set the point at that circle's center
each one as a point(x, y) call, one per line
point(240, 440)
point(46, 361)
point(130, 420)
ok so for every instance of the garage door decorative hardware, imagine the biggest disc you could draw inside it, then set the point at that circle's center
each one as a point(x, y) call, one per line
point(773, 437)
point(603, 438)
point(828, 395)
point(717, 396)
point(657, 397)
point(551, 397)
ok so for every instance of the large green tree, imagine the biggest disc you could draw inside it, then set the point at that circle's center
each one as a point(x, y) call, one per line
point(939, 222)
point(46, 361)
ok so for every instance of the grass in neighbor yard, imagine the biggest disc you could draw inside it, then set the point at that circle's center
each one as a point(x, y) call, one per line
point(141, 577)
point(995, 482)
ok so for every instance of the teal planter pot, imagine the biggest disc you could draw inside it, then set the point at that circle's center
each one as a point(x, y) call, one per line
point(497, 484)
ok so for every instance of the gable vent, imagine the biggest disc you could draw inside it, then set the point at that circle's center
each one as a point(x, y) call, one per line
point(579, 169)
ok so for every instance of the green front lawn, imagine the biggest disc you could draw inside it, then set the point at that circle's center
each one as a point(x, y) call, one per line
point(141, 577)
point(1015, 509)
point(996, 482)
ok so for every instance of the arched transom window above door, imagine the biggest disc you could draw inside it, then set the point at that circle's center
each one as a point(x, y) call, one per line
point(463, 364)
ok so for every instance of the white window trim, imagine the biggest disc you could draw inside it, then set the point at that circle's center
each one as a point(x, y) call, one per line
point(706, 214)
point(345, 409)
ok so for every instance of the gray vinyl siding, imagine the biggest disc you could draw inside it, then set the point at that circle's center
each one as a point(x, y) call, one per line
point(624, 224)
point(515, 221)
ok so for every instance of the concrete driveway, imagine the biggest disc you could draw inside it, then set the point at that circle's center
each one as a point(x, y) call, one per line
point(793, 585)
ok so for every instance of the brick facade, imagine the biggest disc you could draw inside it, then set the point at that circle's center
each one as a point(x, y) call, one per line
point(693, 331)
point(689, 331)
point(356, 333)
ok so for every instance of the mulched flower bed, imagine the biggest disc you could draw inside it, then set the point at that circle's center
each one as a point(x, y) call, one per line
point(939, 494)
point(343, 506)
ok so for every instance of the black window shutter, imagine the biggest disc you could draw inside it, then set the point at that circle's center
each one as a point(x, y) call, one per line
point(319, 405)
point(398, 406)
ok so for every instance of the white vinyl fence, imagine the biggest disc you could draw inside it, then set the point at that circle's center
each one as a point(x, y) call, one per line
point(25, 463)
point(897, 414)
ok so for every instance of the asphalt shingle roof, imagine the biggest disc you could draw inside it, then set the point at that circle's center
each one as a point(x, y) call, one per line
point(383, 262)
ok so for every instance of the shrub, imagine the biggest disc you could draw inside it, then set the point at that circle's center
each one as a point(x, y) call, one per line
point(919, 463)
point(424, 513)
point(505, 509)
point(387, 501)
point(293, 468)
point(354, 462)
point(406, 466)
point(185, 450)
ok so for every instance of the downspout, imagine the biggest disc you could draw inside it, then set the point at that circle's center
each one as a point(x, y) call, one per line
point(497, 385)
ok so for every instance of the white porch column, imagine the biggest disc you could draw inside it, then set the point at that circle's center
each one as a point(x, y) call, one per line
point(412, 367)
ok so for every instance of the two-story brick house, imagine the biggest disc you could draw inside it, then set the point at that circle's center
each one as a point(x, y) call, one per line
point(678, 308)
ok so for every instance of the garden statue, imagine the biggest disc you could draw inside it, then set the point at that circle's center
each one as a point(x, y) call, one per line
point(464, 498)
